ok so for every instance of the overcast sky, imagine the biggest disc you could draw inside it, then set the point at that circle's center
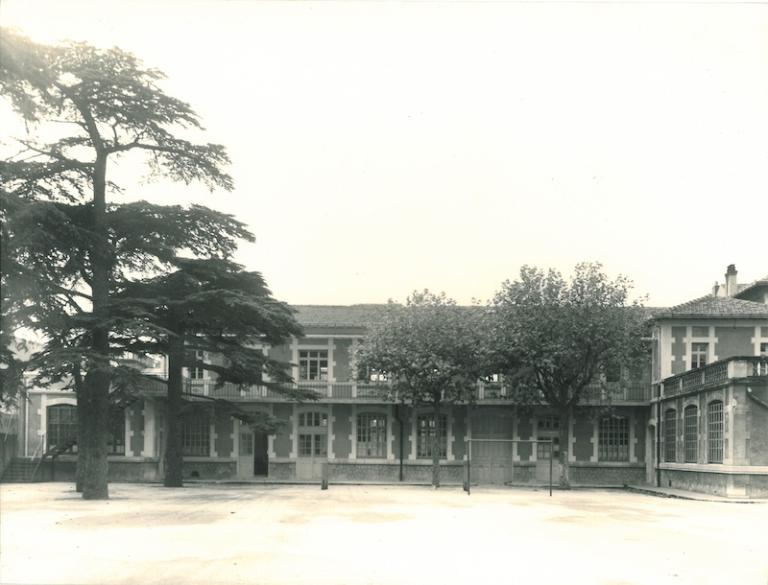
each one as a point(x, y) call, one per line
point(384, 147)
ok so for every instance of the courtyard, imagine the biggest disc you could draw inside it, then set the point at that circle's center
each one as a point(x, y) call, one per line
point(268, 534)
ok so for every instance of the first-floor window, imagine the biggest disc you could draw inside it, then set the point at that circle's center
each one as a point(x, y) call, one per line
point(313, 445)
point(371, 435)
point(62, 427)
point(613, 439)
point(116, 438)
point(427, 430)
point(691, 433)
point(196, 435)
point(715, 432)
point(670, 435)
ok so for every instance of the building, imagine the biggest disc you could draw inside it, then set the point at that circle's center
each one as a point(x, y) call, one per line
point(705, 354)
point(710, 403)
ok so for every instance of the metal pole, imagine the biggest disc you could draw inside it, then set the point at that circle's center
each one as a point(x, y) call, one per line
point(551, 455)
point(469, 468)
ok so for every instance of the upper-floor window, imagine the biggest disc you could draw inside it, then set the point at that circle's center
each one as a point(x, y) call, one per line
point(365, 374)
point(699, 353)
point(196, 373)
point(313, 364)
point(764, 349)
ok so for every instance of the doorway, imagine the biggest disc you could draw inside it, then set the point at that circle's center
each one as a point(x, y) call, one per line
point(313, 444)
point(253, 458)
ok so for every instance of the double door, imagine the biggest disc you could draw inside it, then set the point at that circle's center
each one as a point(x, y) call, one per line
point(312, 444)
point(253, 458)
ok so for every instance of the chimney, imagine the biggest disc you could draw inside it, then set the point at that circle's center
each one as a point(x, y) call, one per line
point(716, 290)
point(731, 287)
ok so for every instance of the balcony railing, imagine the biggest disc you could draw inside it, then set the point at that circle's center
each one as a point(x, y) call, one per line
point(382, 391)
point(713, 375)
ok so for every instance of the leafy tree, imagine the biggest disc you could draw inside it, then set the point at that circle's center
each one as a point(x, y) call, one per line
point(212, 315)
point(86, 107)
point(558, 337)
point(432, 351)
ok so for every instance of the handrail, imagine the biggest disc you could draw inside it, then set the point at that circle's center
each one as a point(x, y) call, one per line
point(714, 374)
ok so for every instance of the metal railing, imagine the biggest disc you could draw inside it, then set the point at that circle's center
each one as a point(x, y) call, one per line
point(636, 392)
point(712, 375)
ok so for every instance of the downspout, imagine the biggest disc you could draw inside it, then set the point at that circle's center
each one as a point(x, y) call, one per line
point(399, 419)
point(658, 442)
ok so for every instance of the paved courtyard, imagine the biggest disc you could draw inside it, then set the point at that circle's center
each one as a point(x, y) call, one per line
point(293, 535)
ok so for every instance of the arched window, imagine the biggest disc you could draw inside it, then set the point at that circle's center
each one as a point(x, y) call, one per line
point(62, 427)
point(691, 433)
point(613, 439)
point(371, 435)
point(715, 431)
point(670, 435)
point(425, 433)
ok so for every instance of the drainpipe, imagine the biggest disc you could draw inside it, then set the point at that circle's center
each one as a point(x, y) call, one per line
point(658, 442)
point(399, 419)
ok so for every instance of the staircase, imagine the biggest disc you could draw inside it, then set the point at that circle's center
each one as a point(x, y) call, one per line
point(23, 470)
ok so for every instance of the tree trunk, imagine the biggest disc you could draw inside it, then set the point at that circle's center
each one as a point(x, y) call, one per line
point(566, 413)
point(174, 456)
point(436, 448)
point(95, 403)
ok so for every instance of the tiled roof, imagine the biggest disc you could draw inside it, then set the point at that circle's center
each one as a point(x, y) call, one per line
point(337, 315)
point(711, 306)
point(759, 282)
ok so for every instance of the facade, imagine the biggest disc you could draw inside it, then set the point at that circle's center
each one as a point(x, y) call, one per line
point(361, 434)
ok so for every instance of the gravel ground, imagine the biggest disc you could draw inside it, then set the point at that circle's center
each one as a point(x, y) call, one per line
point(294, 535)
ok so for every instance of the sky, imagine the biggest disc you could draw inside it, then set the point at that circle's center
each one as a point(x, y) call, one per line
point(384, 147)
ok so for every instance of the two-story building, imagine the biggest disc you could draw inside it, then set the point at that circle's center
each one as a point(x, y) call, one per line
point(706, 384)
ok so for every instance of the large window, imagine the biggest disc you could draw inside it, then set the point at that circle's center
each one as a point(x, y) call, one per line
point(715, 432)
point(548, 429)
point(116, 438)
point(613, 439)
point(427, 430)
point(371, 435)
point(699, 353)
point(196, 435)
point(313, 364)
point(691, 433)
point(670, 435)
point(62, 427)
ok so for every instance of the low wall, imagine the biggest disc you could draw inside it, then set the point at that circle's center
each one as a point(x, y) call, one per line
point(720, 484)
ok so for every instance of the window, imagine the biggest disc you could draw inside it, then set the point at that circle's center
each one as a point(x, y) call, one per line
point(764, 349)
point(313, 364)
point(699, 353)
point(312, 444)
point(426, 432)
point(612, 372)
point(548, 427)
point(670, 435)
point(371, 435)
point(313, 419)
point(715, 432)
point(62, 427)
point(613, 439)
point(691, 433)
point(196, 435)
point(246, 443)
point(198, 373)
point(116, 438)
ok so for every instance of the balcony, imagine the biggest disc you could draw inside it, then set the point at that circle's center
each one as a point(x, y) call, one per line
point(712, 375)
point(351, 391)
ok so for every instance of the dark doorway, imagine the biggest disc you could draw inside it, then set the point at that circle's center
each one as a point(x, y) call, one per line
point(260, 455)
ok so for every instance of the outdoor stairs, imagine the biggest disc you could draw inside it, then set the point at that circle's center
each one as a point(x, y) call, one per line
point(22, 470)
